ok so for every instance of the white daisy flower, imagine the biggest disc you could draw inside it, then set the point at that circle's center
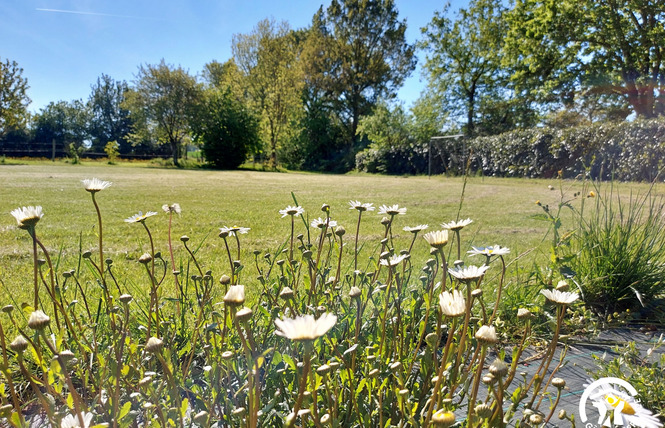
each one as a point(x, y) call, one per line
point(27, 217)
point(394, 260)
point(304, 328)
point(94, 185)
point(627, 411)
point(72, 421)
point(468, 273)
point(235, 296)
point(560, 297)
point(436, 238)
point(140, 217)
point(320, 223)
point(457, 225)
point(452, 304)
point(416, 229)
point(234, 229)
point(486, 334)
point(391, 210)
point(292, 211)
point(173, 208)
point(490, 250)
point(357, 205)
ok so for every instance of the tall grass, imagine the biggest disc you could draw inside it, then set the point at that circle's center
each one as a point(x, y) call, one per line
point(617, 249)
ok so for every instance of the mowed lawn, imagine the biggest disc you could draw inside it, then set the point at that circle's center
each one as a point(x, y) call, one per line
point(501, 210)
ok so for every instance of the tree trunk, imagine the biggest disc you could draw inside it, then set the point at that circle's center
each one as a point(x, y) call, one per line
point(174, 153)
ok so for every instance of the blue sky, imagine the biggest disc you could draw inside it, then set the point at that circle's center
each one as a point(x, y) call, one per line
point(63, 46)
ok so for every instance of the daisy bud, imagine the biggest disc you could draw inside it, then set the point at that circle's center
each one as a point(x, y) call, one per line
point(483, 411)
point(442, 418)
point(340, 231)
point(227, 355)
point(145, 258)
point(8, 309)
point(38, 320)
point(524, 314)
point(86, 254)
point(244, 314)
point(499, 368)
point(323, 369)
point(395, 366)
point(562, 285)
point(558, 383)
point(477, 293)
point(286, 293)
point(154, 345)
point(125, 298)
point(431, 339)
point(19, 344)
point(562, 414)
point(201, 418)
point(238, 411)
point(184, 238)
point(355, 292)
point(385, 221)
point(235, 296)
point(486, 335)
point(488, 379)
point(325, 418)
point(373, 373)
point(536, 419)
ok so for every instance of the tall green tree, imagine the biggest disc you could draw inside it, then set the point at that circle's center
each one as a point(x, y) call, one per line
point(109, 121)
point(576, 47)
point(14, 99)
point(463, 61)
point(360, 55)
point(63, 124)
point(161, 103)
point(269, 61)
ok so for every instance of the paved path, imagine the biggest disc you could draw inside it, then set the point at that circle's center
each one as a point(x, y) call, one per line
point(580, 362)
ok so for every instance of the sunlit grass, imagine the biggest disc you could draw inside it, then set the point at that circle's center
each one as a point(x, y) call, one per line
point(212, 199)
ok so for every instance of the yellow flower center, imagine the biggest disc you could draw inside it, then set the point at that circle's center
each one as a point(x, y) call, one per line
point(615, 402)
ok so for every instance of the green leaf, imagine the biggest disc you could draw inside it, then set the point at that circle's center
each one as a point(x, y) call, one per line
point(70, 401)
point(183, 407)
point(124, 411)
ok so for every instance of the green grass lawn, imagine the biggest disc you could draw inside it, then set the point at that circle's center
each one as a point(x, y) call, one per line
point(501, 210)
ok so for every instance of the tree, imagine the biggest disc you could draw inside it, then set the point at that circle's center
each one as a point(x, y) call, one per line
point(109, 121)
point(63, 124)
point(269, 61)
point(572, 47)
point(14, 100)
point(359, 55)
point(161, 104)
point(463, 62)
point(226, 129)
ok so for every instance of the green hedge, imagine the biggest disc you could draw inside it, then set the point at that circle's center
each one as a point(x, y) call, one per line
point(624, 151)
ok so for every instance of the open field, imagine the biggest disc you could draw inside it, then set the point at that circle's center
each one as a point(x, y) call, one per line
point(500, 208)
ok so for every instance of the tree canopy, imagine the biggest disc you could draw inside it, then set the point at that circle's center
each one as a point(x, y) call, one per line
point(362, 56)
point(13, 97)
point(161, 102)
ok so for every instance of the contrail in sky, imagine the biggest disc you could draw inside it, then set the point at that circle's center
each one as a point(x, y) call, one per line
point(78, 12)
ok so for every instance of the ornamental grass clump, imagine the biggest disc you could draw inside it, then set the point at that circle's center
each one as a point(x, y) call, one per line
point(324, 330)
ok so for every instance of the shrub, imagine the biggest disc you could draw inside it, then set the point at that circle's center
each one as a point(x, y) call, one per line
point(227, 131)
point(623, 151)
